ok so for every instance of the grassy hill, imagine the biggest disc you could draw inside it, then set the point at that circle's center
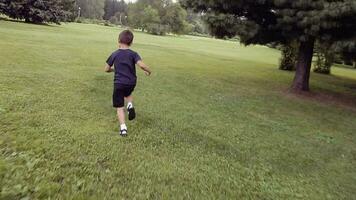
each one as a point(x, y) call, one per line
point(215, 121)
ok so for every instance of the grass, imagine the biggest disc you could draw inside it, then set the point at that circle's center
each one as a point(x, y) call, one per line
point(215, 121)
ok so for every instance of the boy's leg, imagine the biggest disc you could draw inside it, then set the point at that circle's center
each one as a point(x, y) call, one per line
point(130, 108)
point(121, 118)
point(121, 115)
point(119, 104)
point(129, 101)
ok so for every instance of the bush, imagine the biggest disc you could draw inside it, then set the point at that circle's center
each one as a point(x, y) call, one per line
point(114, 20)
point(157, 29)
point(289, 56)
point(324, 59)
point(91, 21)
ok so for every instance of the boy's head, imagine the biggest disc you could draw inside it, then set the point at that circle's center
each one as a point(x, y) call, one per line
point(126, 37)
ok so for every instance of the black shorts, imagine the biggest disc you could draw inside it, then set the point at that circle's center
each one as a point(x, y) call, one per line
point(120, 92)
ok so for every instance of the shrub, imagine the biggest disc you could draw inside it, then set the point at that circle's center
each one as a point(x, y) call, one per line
point(289, 56)
point(324, 58)
point(114, 20)
point(157, 29)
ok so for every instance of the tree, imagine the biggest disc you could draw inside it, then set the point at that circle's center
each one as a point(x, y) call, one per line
point(198, 25)
point(262, 22)
point(150, 20)
point(108, 9)
point(175, 18)
point(93, 9)
point(157, 16)
point(135, 15)
point(70, 10)
point(37, 11)
point(221, 25)
point(112, 7)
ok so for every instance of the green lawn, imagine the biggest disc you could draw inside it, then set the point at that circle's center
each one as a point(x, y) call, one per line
point(215, 121)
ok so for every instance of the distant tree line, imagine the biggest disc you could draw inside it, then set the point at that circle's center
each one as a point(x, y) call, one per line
point(154, 16)
point(38, 11)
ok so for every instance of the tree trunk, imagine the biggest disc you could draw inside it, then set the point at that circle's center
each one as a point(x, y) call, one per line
point(302, 74)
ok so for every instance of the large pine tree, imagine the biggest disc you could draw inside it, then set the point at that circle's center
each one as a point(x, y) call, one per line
point(265, 21)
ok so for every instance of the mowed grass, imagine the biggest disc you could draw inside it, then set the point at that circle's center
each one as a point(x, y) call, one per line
point(214, 121)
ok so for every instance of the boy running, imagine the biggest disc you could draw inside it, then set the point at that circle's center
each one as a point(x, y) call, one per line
point(124, 61)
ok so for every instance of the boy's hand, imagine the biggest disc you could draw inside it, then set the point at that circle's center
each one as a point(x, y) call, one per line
point(147, 73)
point(108, 68)
point(144, 67)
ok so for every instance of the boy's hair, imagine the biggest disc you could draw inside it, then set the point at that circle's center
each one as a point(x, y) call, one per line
point(126, 37)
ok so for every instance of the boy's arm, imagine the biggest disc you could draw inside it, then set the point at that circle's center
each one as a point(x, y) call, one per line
point(109, 68)
point(144, 67)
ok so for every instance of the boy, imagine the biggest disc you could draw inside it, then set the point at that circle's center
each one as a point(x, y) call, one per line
point(124, 61)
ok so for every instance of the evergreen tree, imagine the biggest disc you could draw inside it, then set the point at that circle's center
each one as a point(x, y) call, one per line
point(265, 21)
point(108, 9)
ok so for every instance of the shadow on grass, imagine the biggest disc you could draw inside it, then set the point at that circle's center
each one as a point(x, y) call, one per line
point(22, 21)
point(327, 97)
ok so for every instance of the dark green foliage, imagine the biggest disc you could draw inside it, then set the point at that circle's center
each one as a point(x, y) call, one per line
point(38, 11)
point(221, 25)
point(198, 26)
point(270, 21)
point(70, 10)
point(112, 7)
point(289, 56)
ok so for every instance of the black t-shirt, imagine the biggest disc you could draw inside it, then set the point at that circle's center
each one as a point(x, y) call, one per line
point(124, 61)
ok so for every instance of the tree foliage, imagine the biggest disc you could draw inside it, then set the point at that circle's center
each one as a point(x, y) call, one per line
point(198, 25)
point(157, 16)
point(280, 21)
point(92, 9)
point(175, 17)
point(38, 11)
point(113, 7)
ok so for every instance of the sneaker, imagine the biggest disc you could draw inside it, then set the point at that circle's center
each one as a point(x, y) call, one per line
point(123, 132)
point(132, 113)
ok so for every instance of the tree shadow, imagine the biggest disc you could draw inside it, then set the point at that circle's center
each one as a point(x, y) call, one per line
point(22, 21)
